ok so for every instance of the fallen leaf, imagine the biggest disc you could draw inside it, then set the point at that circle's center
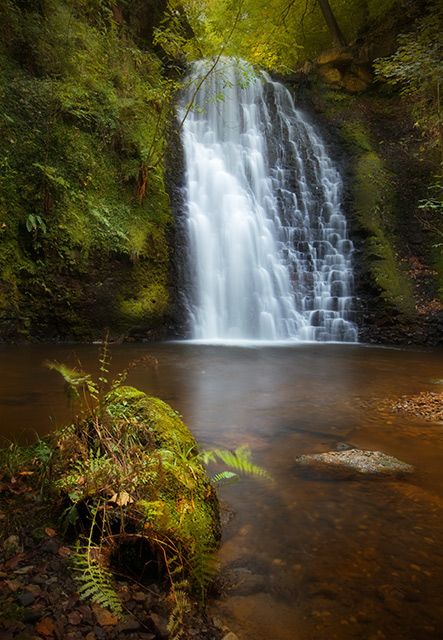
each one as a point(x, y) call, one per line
point(71, 601)
point(75, 618)
point(64, 552)
point(13, 563)
point(45, 627)
point(14, 585)
point(122, 499)
point(24, 570)
point(104, 617)
point(49, 532)
point(84, 608)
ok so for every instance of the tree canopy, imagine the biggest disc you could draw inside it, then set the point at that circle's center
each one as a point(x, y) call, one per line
point(276, 34)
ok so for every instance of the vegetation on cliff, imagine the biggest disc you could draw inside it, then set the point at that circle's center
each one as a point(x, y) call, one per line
point(83, 108)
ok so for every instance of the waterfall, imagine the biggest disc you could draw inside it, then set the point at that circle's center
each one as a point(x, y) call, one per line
point(268, 248)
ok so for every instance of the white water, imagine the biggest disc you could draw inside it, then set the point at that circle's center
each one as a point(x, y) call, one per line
point(268, 245)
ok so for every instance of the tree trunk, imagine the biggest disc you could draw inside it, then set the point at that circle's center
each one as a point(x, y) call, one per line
point(331, 22)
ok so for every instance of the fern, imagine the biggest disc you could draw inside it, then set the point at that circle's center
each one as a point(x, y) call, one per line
point(224, 478)
point(75, 381)
point(238, 460)
point(181, 608)
point(204, 566)
point(96, 583)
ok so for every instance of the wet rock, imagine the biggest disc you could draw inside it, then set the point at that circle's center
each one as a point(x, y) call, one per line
point(161, 624)
point(344, 446)
point(353, 83)
point(335, 56)
point(351, 463)
point(331, 75)
point(25, 599)
point(242, 581)
point(393, 598)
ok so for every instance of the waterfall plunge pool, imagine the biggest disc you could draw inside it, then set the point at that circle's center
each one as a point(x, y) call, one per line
point(301, 559)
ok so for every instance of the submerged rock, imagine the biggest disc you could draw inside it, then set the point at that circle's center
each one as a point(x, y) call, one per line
point(343, 464)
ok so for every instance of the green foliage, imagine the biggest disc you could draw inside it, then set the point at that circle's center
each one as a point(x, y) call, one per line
point(96, 581)
point(417, 68)
point(84, 117)
point(431, 216)
point(373, 203)
point(130, 472)
point(238, 460)
point(275, 35)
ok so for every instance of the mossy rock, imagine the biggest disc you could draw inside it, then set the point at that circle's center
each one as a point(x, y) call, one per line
point(156, 416)
point(134, 461)
point(156, 423)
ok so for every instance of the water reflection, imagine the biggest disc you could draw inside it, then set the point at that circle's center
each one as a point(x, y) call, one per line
point(302, 559)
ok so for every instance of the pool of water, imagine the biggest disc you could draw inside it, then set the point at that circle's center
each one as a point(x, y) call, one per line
point(302, 558)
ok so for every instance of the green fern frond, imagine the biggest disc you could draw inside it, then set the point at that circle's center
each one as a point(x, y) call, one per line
point(96, 582)
point(239, 460)
point(204, 566)
point(181, 608)
point(74, 379)
point(225, 478)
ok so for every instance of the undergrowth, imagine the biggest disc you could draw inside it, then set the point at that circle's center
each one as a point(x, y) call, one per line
point(133, 484)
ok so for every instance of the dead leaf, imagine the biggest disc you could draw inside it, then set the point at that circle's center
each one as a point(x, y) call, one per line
point(50, 532)
point(104, 617)
point(122, 499)
point(75, 618)
point(71, 601)
point(13, 563)
point(45, 627)
point(64, 552)
point(14, 585)
point(24, 570)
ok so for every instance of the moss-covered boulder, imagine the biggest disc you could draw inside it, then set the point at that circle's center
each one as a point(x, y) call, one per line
point(133, 479)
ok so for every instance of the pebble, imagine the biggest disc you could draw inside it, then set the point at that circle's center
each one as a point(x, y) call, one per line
point(129, 624)
point(161, 623)
point(99, 632)
point(25, 599)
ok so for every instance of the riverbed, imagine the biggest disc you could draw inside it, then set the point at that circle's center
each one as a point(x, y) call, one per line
point(303, 558)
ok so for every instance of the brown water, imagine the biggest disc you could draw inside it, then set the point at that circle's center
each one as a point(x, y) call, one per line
point(302, 559)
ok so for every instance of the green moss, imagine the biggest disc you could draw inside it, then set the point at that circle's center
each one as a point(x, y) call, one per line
point(373, 203)
point(356, 133)
point(150, 305)
point(168, 429)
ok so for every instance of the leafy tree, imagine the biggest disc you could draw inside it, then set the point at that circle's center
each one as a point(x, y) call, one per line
point(331, 22)
point(278, 33)
point(417, 68)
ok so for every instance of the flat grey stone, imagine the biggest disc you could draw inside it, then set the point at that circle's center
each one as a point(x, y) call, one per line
point(354, 462)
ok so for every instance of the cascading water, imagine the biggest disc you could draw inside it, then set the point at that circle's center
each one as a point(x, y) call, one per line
point(269, 252)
